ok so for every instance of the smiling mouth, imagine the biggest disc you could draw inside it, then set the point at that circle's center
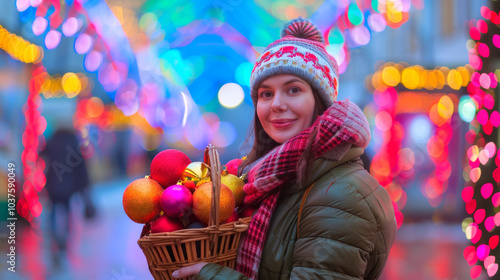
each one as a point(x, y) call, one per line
point(282, 123)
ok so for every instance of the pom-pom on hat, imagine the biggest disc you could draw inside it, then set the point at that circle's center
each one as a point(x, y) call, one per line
point(300, 52)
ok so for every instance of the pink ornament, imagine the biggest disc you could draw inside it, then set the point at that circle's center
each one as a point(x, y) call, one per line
point(176, 201)
point(165, 224)
point(232, 166)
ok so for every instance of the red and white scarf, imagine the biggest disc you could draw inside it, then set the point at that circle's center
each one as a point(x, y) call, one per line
point(342, 123)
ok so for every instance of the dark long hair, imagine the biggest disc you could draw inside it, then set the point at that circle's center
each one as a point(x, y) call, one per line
point(263, 143)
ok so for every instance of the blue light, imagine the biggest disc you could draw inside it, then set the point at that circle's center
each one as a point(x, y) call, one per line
point(420, 129)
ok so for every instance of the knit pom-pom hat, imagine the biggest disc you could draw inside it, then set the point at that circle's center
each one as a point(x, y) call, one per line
point(300, 52)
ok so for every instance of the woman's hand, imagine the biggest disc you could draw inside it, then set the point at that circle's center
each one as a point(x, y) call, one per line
point(189, 270)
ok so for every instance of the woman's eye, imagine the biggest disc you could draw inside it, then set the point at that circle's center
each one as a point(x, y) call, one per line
point(294, 90)
point(265, 94)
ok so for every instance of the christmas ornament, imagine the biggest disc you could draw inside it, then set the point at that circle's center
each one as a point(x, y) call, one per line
point(176, 200)
point(165, 224)
point(236, 185)
point(196, 225)
point(141, 200)
point(194, 173)
point(233, 165)
point(234, 217)
point(202, 198)
point(167, 167)
point(247, 211)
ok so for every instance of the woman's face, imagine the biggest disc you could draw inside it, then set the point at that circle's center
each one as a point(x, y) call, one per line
point(285, 106)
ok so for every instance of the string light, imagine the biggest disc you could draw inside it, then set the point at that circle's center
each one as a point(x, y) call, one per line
point(417, 77)
point(18, 48)
point(29, 205)
point(479, 110)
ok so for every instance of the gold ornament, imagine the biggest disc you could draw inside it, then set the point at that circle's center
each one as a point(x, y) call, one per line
point(202, 181)
point(194, 173)
point(236, 185)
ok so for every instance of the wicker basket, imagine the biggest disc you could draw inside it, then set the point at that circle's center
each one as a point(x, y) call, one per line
point(169, 251)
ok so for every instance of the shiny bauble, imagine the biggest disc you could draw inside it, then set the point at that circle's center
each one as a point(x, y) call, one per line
point(167, 167)
point(194, 173)
point(233, 165)
point(234, 217)
point(236, 185)
point(196, 225)
point(165, 224)
point(202, 200)
point(176, 200)
point(248, 211)
point(141, 200)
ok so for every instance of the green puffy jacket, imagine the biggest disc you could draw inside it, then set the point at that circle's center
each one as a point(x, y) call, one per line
point(346, 230)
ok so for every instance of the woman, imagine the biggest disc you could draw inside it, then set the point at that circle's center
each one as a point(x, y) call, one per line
point(321, 215)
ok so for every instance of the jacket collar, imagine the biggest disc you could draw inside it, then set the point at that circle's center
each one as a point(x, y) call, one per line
point(322, 166)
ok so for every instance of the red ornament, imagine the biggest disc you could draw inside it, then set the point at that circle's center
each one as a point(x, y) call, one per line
point(167, 167)
point(234, 217)
point(247, 212)
point(233, 165)
point(190, 185)
point(165, 224)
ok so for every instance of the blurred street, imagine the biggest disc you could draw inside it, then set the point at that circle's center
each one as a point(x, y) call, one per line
point(106, 247)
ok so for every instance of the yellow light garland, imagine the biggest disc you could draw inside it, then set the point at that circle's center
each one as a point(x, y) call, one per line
point(417, 77)
point(18, 48)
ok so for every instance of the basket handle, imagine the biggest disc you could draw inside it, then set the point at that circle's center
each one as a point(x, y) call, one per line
point(211, 157)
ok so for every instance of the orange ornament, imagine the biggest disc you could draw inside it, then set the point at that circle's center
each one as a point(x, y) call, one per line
point(202, 200)
point(141, 200)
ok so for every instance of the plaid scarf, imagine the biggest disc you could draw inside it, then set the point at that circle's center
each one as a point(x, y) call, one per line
point(342, 123)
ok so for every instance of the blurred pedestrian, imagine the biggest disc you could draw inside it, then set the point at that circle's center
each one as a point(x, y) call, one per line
point(67, 175)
